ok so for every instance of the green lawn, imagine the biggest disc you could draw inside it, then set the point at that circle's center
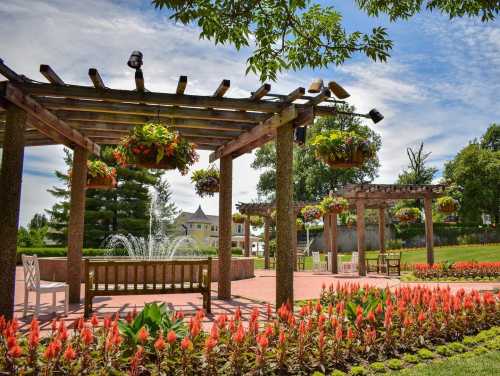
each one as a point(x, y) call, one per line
point(482, 365)
point(490, 252)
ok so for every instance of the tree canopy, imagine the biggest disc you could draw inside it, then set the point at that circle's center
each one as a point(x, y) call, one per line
point(417, 172)
point(300, 33)
point(313, 179)
point(475, 171)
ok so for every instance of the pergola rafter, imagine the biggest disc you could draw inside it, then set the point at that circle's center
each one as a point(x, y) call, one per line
point(85, 117)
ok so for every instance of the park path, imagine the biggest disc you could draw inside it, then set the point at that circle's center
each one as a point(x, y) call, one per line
point(247, 294)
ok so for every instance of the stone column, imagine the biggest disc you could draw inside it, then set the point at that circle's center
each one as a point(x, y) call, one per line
point(360, 230)
point(10, 202)
point(247, 236)
point(76, 223)
point(334, 267)
point(381, 228)
point(429, 230)
point(266, 241)
point(284, 215)
point(225, 222)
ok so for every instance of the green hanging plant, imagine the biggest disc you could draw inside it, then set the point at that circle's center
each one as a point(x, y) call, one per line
point(154, 145)
point(334, 204)
point(99, 175)
point(447, 204)
point(206, 181)
point(408, 215)
point(238, 218)
point(256, 221)
point(342, 149)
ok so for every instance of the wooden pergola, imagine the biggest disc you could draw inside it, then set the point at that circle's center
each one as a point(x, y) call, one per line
point(84, 117)
point(364, 195)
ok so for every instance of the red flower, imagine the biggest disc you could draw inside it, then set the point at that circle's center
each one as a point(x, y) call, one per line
point(11, 342)
point(239, 336)
point(69, 353)
point(214, 332)
point(143, 335)
point(16, 351)
point(339, 334)
point(282, 337)
point(370, 316)
point(94, 321)
point(171, 337)
point(87, 336)
point(160, 343)
point(263, 341)
point(379, 310)
point(186, 344)
point(210, 343)
point(350, 334)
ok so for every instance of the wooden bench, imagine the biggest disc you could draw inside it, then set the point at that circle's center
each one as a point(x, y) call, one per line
point(137, 277)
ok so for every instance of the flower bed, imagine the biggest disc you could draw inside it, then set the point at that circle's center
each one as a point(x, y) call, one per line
point(206, 181)
point(154, 145)
point(350, 329)
point(461, 270)
point(342, 149)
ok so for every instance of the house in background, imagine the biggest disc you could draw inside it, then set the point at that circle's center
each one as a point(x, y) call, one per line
point(204, 228)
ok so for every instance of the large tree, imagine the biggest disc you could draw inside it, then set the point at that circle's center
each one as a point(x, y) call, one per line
point(475, 170)
point(417, 171)
point(313, 179)
point(300, 33)
point(121, 210)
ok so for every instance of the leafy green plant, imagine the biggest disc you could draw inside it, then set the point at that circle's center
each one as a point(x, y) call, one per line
point(156, 145)
point(342, 148)
point(206, 181)
point(238, 218)
point(378, 367)
point(444, 350)
point(408, 215)
point(154, 317)
point(338, 373)
point(447, 204)
point(394, 244)
point(426, 354)
point(358, 371)
point(457, 347)
point(97, 168)
point(395, 364)
point(256, 221)
point(410, 358)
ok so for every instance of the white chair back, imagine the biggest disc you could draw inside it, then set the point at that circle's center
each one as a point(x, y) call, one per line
point(315, 258)
point(354, 258)
point(31, 272)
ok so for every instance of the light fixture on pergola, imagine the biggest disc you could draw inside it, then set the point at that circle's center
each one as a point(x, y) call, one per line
point(85, 117)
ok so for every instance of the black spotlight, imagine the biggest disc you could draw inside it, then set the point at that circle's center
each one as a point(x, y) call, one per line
point(135, 60)
point(375, 115)
point(299, 135)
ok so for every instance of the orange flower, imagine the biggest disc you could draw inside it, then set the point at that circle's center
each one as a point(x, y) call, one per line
point(186, 344)
point(210, 343)
point(262, 341)
point(94, 321)
point(11, 342)
point(214, 332)
point(69, 353)
point(160, 343)
point(239, 336)
point(171, 337)
point(16, 351)
point(87, 336)
point(143, 335)
point(282, 337)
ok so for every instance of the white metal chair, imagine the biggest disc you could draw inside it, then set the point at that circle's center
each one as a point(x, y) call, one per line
point(32, 283)
point(317, 264)
point(350, 266)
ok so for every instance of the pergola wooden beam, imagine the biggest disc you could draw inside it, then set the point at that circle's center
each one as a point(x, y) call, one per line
point(181, 85)
point(77, 105)
point(9, 73)
point(50, 75)
point(287, 115)
point(14, 95)
point(96, 79)
point(222, 89)
point(260, 92)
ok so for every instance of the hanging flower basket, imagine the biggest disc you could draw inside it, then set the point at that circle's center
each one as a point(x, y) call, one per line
point(256, 221)
point(334, 204)
point(238, 218)
point(206, 181)
point(342, 149)
point(350, 220)
point(311, 213)
point(408, 215)
point(447, 204)
point(154, 145)
point(299, 224)
point(99, 175)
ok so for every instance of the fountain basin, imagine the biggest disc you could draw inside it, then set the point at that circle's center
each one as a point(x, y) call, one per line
point(54, 268)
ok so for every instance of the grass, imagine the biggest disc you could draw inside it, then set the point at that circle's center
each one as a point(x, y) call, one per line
point(482, 365)
point(476, 252)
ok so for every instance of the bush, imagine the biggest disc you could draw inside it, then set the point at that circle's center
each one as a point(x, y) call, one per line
point(444, 350)
point(236, 251)
point(394, 244)
point(457, 347)
point(63, 252)
point(425, 354)
point(410, 358)
point(467, 239)
point(358, 371)
point(378, 367)
point(337, 373)
point(395, 364)
point(470, 341)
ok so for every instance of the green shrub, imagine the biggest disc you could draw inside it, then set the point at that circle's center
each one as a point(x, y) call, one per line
point(395, 364)
point(470, 341)
point(394, 244)
point(426, 354)
point(444, 350)
point(378, 367)
point(410, 358)
point(494, 344)
point(466, 355)
point(272, 247)
point(358, 371)
point(236, 251)
point(457, 347)
point(317, 373)
point(338, 373)
point(480, 350)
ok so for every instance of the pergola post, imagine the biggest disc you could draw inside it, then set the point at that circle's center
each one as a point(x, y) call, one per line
point(381, 228)
point(247, 236)
point(284, 215)
point(76, 223)
point(294, 241)
point(360, 230)
point(266, 241)
point(334, 262)
point(10, 202)
point(429, 230)
point(225, 222)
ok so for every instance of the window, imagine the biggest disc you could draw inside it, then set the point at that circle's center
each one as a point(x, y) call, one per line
point(212, 228)
point(198, 226)
point(239, 228)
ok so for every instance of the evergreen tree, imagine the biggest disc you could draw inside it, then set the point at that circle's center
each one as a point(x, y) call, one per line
point(122, 210)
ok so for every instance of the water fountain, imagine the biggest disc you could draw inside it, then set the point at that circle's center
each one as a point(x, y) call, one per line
point(158, 245)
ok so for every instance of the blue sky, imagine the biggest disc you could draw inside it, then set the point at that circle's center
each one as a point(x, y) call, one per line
point(441, 85)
